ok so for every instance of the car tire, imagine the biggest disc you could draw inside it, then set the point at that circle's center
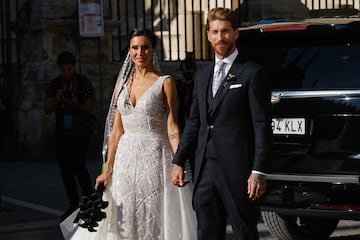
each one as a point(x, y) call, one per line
point(298, 228)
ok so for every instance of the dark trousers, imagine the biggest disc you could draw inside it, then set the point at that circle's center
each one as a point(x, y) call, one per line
point(71, 154)
point(214, 206)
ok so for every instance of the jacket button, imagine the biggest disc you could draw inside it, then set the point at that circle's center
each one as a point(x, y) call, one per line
point(211, 126)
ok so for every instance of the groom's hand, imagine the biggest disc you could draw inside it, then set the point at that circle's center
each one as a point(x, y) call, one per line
point(256, 186)
point(178, 175)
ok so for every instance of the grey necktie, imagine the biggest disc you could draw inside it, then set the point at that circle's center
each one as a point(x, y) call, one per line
point(218, 77)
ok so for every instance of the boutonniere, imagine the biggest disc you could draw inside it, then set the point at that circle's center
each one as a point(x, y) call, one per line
point(230, 77)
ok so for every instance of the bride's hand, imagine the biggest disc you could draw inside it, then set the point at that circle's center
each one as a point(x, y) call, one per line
point(103, 178)
point(178, 175)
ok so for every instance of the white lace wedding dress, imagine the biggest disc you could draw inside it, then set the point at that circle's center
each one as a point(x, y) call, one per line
point(143, 204)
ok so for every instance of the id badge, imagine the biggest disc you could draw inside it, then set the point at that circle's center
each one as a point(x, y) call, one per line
point(67, 121)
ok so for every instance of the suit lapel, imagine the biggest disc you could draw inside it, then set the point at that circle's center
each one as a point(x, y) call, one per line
point(205, 81)
point(236, 71)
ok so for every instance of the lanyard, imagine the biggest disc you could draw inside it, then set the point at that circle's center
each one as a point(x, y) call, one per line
point(70, 85)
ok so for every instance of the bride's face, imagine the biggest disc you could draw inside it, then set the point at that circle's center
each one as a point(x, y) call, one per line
point(141, 51)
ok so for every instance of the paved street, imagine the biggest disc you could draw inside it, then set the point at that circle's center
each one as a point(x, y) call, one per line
point(33, 200)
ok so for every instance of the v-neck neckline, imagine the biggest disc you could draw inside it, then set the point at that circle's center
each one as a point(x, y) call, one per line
point(147, 90)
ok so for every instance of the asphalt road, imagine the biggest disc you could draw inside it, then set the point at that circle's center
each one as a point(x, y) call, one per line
point(33, 199)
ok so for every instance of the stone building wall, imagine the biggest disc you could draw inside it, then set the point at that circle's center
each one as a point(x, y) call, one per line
point(47, 28)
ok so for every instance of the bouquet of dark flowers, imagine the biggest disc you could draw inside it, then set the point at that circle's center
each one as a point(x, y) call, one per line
point(90, 210)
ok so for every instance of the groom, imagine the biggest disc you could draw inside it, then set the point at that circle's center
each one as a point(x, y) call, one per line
point(230, 121)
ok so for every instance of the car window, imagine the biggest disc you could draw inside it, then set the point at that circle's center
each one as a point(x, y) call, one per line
point(307, 62)
point(331, 66)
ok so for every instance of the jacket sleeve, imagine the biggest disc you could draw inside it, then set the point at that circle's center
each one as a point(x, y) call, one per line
point(190, 134)
point(261, 113)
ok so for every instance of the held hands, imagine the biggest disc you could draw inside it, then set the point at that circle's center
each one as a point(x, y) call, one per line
point(178, 175)
point(256, 186)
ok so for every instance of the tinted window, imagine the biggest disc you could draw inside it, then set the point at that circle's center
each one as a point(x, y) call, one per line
point(307, 62)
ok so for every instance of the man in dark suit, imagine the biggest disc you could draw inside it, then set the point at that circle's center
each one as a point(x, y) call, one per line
point(71, 97)
point(230, 122)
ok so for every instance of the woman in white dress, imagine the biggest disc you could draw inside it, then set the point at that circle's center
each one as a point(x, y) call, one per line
point(141, 135)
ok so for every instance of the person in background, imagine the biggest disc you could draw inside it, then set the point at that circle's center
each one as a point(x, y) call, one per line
point(230, 121)
point(71, 96)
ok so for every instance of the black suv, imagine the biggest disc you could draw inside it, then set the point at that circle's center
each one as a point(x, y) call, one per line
point(314, 67)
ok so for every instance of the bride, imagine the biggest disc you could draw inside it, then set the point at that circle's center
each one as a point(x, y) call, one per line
point(141, 135)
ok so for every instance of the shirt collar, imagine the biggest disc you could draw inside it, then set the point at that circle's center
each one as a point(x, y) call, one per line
point(229, 59)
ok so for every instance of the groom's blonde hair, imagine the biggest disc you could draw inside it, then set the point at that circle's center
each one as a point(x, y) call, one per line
point(224, 14)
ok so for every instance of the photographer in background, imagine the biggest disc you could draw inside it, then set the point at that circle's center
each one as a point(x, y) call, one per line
point(71, 96)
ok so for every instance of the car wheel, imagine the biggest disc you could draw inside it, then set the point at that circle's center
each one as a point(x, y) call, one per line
point(298, 228)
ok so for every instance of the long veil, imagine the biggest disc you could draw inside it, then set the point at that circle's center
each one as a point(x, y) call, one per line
point(126, 70)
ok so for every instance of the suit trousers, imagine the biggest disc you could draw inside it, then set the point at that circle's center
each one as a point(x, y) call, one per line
point(214, 207)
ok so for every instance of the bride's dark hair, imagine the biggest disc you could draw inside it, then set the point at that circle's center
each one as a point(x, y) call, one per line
point(144, 32)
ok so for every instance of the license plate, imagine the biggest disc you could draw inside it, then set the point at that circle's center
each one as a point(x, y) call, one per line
point(288, 126)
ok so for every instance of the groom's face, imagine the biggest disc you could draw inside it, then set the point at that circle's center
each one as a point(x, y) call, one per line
point(222, 37)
